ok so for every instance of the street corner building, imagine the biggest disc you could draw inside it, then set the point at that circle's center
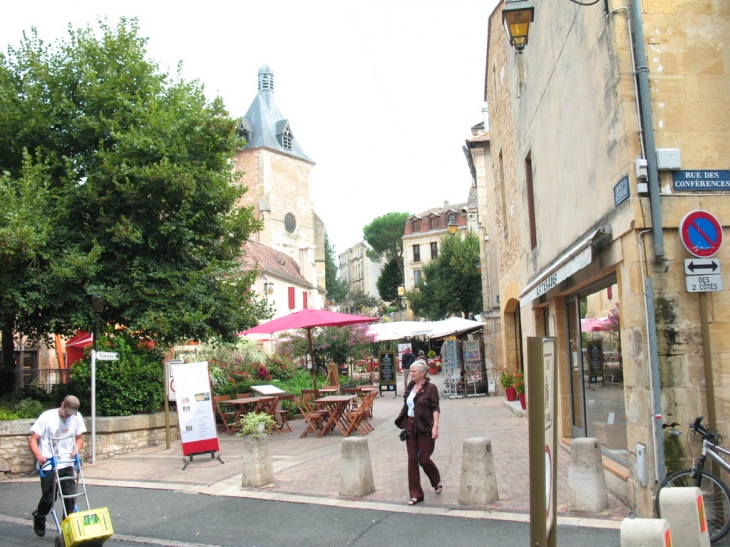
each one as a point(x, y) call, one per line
point(609, 151)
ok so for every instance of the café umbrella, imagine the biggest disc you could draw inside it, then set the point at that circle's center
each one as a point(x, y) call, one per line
point(309, 319)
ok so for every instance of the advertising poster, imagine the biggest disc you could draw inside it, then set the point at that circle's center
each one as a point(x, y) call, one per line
point(195, 408)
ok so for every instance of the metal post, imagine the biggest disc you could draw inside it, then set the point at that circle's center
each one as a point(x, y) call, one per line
point(707, 359)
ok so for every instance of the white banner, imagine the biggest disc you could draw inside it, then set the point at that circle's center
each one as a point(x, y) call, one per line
point(194, 402)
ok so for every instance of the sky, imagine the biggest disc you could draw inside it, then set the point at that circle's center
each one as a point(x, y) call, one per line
point(380, 94)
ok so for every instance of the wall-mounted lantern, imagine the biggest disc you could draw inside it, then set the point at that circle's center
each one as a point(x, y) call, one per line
point(517, 16)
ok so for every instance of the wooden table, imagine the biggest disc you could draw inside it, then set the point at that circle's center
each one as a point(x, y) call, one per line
point(241, 404)
point(329, 389)
point(336, 405)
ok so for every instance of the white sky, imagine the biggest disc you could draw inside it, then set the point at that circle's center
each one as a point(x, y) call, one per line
point(380, 94)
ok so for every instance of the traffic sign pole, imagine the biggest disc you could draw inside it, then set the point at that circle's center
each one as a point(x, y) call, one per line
point(93, 405)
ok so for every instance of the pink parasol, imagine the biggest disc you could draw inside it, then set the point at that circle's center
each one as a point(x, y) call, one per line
point(594, 324)
point(308, 319)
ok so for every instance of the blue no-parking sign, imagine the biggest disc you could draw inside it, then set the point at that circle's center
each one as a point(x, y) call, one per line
point(701, 233)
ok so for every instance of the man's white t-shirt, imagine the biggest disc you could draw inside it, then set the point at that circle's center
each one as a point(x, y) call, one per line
point(50, 424)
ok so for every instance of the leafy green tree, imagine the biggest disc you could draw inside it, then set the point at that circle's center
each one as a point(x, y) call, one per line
point(336, 287)
point(139, 192)
point(390, 279)
point(385, 236)
point(451, 284)
point(330, 343)
point(360, 302)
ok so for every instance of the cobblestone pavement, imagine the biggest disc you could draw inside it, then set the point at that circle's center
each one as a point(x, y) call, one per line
point(308, 470)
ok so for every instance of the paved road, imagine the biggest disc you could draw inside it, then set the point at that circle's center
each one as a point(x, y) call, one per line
point(170, 518)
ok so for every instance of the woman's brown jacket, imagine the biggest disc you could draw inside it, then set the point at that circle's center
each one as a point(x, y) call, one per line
point(425, 404)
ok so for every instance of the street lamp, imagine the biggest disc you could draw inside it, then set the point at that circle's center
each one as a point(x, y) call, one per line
point(98, 305)
point(269, 287)
point(517, 16)
point(452, 226)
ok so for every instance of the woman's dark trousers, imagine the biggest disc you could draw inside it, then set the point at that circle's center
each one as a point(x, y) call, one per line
point(420, 447)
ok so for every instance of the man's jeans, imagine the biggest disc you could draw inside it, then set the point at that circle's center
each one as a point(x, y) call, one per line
point(48, 487)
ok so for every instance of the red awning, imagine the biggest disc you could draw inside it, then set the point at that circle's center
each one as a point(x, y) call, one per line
point(75, 347)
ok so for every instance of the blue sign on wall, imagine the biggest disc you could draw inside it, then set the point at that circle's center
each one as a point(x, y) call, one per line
point(621, 191)
point(701, 180)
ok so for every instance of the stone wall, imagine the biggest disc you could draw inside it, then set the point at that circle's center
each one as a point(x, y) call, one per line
point(116, 435)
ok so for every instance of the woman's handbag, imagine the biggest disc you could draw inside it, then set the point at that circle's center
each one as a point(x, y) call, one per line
point(402, 435)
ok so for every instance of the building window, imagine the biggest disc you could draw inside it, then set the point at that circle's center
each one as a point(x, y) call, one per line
point(292, 298)
point(416, 253)
point(434, 223)
point(452, 218)
point(434, 250)
point(290, 223)
point(531, 202)
point(416, 277)
point(416, 226)
point(286, 138)
point(503, 195)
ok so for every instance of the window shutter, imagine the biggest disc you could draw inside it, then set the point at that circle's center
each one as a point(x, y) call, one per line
point(305, 296)
point(292, 298)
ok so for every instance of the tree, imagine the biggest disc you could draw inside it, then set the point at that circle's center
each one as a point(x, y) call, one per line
point(451, 284)
point(390, 279)
point(385, 236)
point(139, 184)
point(336, 287)
point(360, 302)
point(339, 344)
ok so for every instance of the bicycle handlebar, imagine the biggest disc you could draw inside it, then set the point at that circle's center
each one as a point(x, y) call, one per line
point(702, 430)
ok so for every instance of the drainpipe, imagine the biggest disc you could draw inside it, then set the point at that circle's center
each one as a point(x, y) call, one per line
point(642, 72)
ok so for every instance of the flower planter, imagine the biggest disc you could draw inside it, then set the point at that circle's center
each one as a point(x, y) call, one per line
point(433, 370)
point(522, 401)
point(511, 393)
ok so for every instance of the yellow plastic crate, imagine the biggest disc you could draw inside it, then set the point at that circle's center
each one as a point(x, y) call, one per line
point(87, 528)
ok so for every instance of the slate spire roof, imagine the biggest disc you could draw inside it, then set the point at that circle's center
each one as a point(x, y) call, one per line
point(263, 126)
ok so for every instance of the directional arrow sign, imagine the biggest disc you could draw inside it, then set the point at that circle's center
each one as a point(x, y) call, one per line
point(697, 266)
point(107, 356)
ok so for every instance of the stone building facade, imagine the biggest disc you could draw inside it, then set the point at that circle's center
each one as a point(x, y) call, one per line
point(276, 171)
point(579, 219)
point(359, 271)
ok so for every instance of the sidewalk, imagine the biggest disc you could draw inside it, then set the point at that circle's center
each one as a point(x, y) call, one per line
point(308, 470)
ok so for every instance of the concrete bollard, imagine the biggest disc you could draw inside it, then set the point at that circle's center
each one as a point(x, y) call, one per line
point(586, 481)
point(684, 510)
point(645, 533)
point(478, 479)
point(257, 468)
point(356, 471)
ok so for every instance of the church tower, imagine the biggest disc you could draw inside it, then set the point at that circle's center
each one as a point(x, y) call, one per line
point(276, 171)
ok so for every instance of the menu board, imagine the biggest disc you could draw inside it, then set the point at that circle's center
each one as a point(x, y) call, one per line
point(195, 408)
point(388, 369)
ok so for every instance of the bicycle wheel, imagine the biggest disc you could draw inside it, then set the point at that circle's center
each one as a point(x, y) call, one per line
point(716, 497)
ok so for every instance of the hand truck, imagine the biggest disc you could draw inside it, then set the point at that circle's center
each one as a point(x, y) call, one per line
point(90, 528)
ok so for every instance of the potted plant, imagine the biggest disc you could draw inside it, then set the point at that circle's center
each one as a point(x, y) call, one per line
point(507, 379)
point(519, 385)
point(255, 430)
point(256, 424)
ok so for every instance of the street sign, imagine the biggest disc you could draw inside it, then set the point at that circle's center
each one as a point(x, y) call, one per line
point(704, 283)
point(701, 233)
point(107, 356)
point(696, 266)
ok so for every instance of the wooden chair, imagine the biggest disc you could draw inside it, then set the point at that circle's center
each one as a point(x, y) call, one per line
point(315, 420)
point(357, 401)
point(282, 413)
point(358, 419)
point(225, 417)
point(243, 395)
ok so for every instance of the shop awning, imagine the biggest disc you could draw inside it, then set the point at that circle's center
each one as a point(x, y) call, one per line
point(574, 259)
point(430, 329)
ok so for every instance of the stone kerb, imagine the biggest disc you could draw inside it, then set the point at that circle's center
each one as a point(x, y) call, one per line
point(478, 478)
point(114, 435)
point(586, 479)
point(356, 471)
point(645, 533)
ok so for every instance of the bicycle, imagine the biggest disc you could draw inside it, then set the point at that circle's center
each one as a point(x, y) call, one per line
point(715, 493)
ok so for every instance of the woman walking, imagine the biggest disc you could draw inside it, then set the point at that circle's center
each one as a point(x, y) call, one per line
point(420, 418)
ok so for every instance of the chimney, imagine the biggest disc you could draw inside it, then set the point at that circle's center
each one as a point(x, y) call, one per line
point(446, 204)
point(485, 113)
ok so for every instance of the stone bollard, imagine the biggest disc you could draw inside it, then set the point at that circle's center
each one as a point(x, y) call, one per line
point(478, 479)
point(586, 481)
point(257, 468)
point(646, 533)
point(356, 472)
point(684, 510)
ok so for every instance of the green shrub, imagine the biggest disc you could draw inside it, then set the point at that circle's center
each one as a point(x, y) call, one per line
point(132, 385)
point(29, 408)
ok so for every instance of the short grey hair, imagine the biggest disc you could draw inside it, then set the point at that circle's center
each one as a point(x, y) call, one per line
point(421, 366)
